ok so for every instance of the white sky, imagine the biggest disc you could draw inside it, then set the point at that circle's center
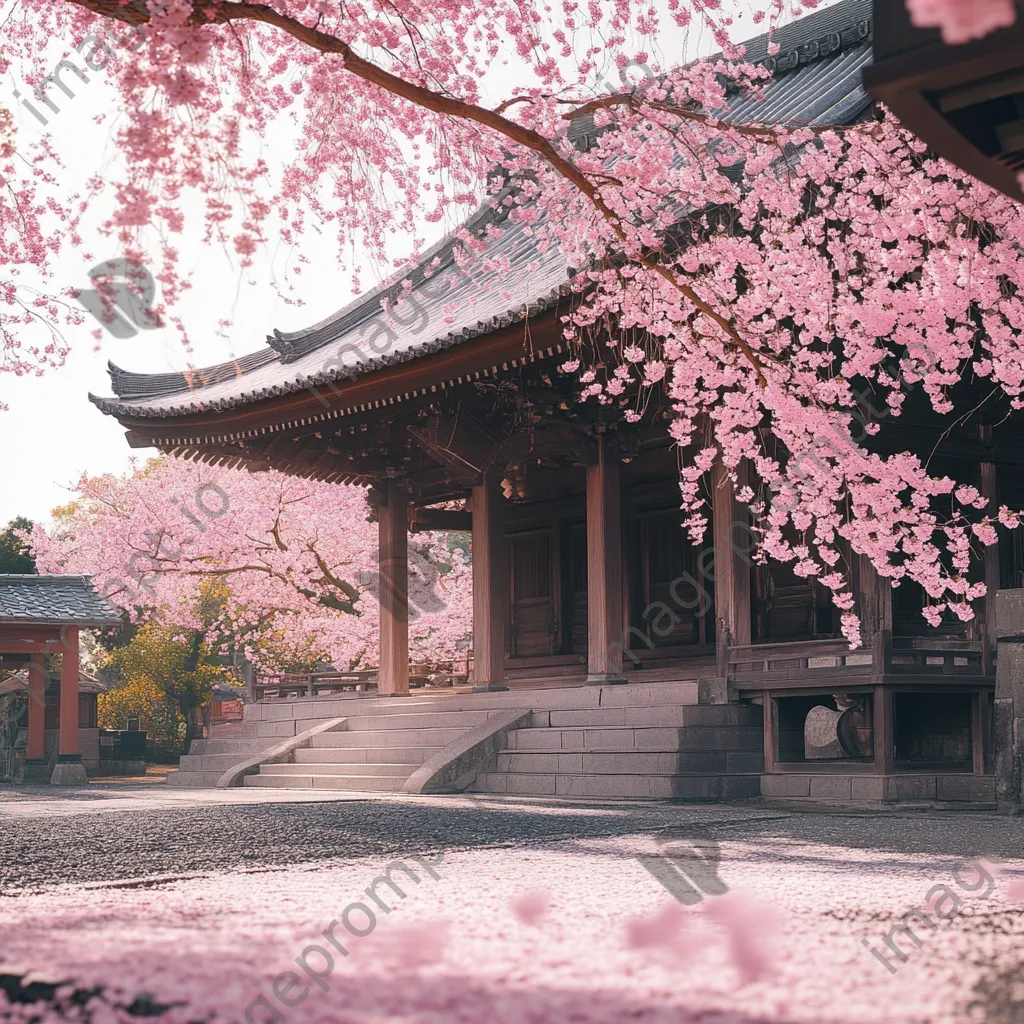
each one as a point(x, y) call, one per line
point(51, 433)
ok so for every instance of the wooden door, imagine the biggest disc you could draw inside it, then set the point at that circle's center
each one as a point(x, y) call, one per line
point(673, 598)
point(574, 575)
point(534, 626)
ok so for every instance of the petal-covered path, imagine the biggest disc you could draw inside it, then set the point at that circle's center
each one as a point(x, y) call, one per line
point(504, 913)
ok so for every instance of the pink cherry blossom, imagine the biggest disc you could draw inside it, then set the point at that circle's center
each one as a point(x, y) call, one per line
point(299, 559)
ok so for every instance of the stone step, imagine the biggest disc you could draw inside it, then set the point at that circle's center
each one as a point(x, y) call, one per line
point(667, 693)
point(631, 762)
point(400, 771)
point(688, 738)
point(208, 762)
point(675, 715)
point(436, 738)
point(193, 779)
point(413, 756)
point(241, 746)
point(419, 720)
point(344, 783)
point(623, 787)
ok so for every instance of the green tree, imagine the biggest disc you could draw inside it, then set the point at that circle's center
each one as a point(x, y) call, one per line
point(14, 554)
point(173, 662)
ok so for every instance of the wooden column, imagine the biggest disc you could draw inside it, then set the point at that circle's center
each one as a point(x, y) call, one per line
point(35, 749)
point(393, 548)
point(68, 770)
point(990, 555)
point(733, 557)
point(490, 585)
point(605, 635)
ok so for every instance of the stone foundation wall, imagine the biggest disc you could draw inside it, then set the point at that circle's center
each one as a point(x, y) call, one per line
point(1009, 699)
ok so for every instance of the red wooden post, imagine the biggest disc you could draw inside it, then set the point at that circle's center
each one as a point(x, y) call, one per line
point(36, 748)
point(69, 770)
point(393, 671)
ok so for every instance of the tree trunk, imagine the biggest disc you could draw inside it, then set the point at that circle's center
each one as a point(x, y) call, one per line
point(192, 731)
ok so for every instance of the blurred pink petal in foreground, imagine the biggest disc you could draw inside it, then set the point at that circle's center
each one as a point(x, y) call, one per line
point(532, 907)
point(1015, 891)
point(661, 929)
point(962, 20)
point(753, 932)
point(414, 945)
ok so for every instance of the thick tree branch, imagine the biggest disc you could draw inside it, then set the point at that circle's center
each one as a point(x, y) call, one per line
point(207, 12)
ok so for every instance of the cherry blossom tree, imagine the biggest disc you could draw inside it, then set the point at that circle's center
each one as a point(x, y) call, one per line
point(765, 275)
point(297, 559)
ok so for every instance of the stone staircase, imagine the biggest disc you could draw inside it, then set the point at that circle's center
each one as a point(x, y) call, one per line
point(376, 753)
point(641, 741)
point(660, 751)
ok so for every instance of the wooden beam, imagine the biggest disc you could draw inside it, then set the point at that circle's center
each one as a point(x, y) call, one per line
point(393, 672)
point(440, 519)
point(604, 567)
point(490, 584)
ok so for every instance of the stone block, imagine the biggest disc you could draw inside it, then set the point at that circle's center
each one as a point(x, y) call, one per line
point(595, 717)
point(867, 788)
point(538, 739)
point(980, 789)
point(569, 785)
point(610, 739)
point(744, 761)
point(785, 785)
point(656, 739)
point(650, 694)
point(570, 763)
point(713, 690)
point(1009, 613)
point(830, 787)
point(912, 787)
point(530, 785)
point(617, 787)
point(69, 773)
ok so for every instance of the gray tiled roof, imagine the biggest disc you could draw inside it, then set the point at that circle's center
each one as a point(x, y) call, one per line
point(817, 82)
point(54, 600)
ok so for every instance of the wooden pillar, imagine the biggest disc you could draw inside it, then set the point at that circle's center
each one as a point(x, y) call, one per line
point(733, 557)
point(35, 749)
point(990, 556)
point(68, 770)
point(883, 723)
point(490, 585)
point(393, 548)
point(605, 635)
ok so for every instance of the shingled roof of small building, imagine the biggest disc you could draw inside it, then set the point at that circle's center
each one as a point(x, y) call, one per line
point(54, 600)
point(817, 82)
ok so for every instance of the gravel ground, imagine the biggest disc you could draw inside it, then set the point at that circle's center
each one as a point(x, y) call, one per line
point(50, 844)
point(193, 907)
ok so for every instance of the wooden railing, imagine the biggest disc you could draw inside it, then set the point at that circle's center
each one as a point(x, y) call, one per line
point(289, 686)
point(798, 663)
point(811, 662)
point(311, 684)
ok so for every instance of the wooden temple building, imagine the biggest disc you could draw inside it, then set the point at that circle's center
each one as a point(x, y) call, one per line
point(454, 408)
